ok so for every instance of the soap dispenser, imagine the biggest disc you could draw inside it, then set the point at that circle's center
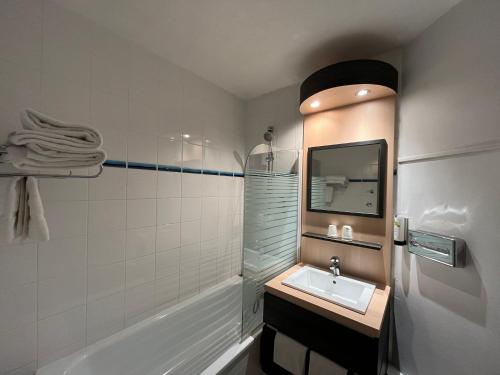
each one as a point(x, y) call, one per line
point(400, 230)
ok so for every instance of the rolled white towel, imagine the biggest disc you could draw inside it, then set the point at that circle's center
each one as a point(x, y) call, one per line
point(46, 143)
point(36, 121)
point(41, 140)
point(30, 157)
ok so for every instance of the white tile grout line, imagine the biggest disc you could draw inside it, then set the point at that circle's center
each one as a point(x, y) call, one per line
point(42, 24)
point(127, 135)
point(36, 309)
point(86, 289)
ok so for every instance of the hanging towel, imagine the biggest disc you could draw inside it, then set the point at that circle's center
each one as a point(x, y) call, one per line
point(86, 136)
point(23, 215)
point(37, 228)
point(328, 194)
point(9, 216)
point(319, 365)
point(22, 209)
point(289, 354)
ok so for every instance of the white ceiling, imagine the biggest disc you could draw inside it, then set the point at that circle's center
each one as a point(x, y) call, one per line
point(250, 47)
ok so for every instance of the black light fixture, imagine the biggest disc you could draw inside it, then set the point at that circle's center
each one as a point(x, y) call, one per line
point(347, 82)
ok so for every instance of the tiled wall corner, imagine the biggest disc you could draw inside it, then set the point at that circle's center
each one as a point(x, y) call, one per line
point(135, 240)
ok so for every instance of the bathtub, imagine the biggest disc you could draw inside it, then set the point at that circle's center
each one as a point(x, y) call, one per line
point(200, 335)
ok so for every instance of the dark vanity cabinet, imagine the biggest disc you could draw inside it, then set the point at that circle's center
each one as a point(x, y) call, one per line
point(358, 353)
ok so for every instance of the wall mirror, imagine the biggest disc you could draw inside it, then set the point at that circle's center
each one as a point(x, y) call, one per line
point(347, 178)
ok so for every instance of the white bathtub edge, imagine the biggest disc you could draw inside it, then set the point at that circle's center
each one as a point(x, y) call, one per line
point(228, 357)
point(62, 365)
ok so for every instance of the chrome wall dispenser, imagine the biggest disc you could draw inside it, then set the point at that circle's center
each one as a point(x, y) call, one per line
point(447, 250)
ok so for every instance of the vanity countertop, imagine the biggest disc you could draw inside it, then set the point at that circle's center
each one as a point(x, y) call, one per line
point(369, 324)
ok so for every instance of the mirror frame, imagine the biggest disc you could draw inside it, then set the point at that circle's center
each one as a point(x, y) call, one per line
point(382, 171)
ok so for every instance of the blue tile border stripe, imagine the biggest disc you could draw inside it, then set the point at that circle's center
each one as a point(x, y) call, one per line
point(168, 168)
point(147, 166)
point(115, 163)
point(211, 172)
point(191, 170)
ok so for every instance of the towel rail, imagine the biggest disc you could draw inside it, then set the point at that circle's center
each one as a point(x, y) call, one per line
point(45, 175)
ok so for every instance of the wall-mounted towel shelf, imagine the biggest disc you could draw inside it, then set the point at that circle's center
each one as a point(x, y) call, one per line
point(42, 175)
point(324, 237)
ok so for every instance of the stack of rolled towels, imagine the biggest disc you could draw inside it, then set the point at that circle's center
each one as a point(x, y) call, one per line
point(46, 143)
point(43, 144)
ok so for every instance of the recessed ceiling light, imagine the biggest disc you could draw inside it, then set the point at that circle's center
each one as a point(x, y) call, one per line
point(363, 92)
point(207, 140)
point(172, 138)
point(186, 136)
point(315, 104)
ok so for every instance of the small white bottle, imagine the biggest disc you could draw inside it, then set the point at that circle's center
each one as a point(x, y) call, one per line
point(400, 230)
point(347, 232)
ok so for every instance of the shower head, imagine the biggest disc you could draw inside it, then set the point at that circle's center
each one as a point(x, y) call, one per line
point(269, 134)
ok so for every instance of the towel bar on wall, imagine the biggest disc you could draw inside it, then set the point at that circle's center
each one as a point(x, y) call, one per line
point(70, 174)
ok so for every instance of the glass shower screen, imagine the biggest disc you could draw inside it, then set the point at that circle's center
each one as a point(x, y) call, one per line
point(270, 226)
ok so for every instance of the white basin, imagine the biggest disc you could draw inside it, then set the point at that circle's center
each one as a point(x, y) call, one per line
point(341, 290)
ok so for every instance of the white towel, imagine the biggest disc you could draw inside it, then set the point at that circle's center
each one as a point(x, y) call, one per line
point(319, 365)
point(26, 158)
point(83, 135)
point(289, 354)
point(22, 210)
point(328, 194)
point(9, 215)
point(23, 215)
point(38, 229)
point(336, 180)
point(47, 143)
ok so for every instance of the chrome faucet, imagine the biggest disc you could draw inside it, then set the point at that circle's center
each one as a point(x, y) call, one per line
point(335, 265)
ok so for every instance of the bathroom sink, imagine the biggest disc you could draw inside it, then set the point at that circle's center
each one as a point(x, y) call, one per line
point(341, 290)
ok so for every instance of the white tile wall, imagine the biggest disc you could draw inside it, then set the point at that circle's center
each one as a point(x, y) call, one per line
point(132, 241)
point(168, 211)
point(61, 334)
point(170, 150)
point(104, 280)
point(280, 110)
point(61, 275)
point(169, 185)
point(140, 242)
point(105, 316)
point(190, 209)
